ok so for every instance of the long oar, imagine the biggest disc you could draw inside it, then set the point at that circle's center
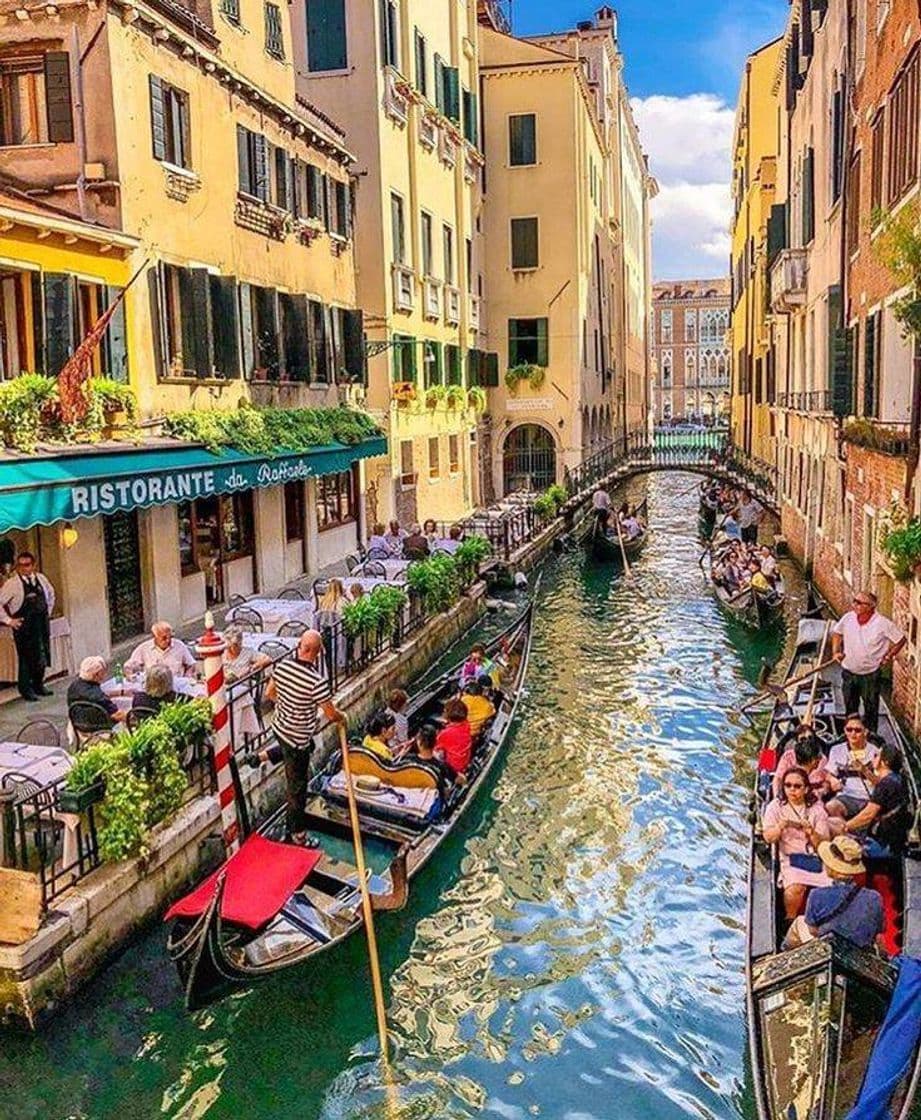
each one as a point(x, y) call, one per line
point(774, 689)
point(623, 551)
point(367, 908)
point(807, 717)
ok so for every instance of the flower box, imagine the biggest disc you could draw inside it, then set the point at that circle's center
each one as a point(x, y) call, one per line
point(79, 800)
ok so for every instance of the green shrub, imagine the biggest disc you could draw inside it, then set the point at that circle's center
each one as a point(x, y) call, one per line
point(471, 553)
point(264, 431)
point(903, 547)
point(27, 410)
point(375, 612)
point(476, 398)
point(436, 581)
point(534, 375)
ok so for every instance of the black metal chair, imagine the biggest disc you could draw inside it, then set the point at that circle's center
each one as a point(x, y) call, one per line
point(379, 554)
point(37, 815)
point(353, 562)
point(137, 716)
point(320, 587)
point(291, 593)
point(274, 650)
point(245, 627)
point(292, 629)
point(236, 600)
point(248, 615)
point(374, 569)
point(88, 720)
point(39, 733)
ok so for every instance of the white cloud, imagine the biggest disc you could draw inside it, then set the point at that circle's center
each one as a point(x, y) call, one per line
point(689, 142)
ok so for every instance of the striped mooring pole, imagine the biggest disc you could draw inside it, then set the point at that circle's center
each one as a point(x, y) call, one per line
point(210, 647)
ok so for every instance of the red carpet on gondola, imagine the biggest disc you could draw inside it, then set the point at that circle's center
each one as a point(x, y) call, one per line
point(261, 877)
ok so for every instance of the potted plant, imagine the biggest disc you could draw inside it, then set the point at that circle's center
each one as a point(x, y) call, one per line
point(476, 398)
point(86, 783)
point(902, 545)
point(434, 395)
point(456, 396)
point(525, 371)
point(403, 392)
point(116, 399)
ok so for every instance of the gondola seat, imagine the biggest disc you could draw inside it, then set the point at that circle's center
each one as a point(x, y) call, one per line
point(405, 773)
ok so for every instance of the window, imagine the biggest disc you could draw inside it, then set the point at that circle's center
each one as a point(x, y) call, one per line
point(253, 164)
point(871, 352)
point(335, 500)
point(340, 217)
point(837, 141)
point(316, 193)
point(808, 196)
point(398, 229)
point(236, 525)
point(422, 75)
point(453, 372)
point(433, 359)
point(471, 121)
point(453, 454)
point(259, 328)
point(230, 9)
point(427, 252)
point(524, 243)
point(326, 36)
point(903, 130)
point(448, 99)
point(665, 325)
point(169, 123)
point(294, 511)
point(274, 39)
point(522, 140)
point(35, 105)
point(877, 145)
point(434, 456)
point(528, 342)
point(20, 322)
point(390, 34)
point(407, 474)
point(468, 256)
point(447, 235)
point(404, 358)
point(690, 326)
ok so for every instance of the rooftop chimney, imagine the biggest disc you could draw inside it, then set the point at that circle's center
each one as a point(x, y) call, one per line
point(606, 20)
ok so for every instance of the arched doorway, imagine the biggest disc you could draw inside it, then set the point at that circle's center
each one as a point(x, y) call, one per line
point(528, 459)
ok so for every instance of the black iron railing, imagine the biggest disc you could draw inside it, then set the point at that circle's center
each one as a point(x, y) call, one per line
point(817, 400)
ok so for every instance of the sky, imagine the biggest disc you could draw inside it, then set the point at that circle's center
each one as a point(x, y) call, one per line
point(683, 64)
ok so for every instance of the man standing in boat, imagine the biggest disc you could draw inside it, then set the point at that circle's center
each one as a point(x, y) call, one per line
point(864, 642)
point(299, 688)
point(749, 513)
point(601, 505)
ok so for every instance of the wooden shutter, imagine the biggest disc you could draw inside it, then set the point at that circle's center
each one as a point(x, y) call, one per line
point(225, 328)
point(261, 167)
point(384, 31)
point(38, 323)
point(870, 351)
point(524, 243)
point(197, 341)
point(513, 343)
point(318, 342)
point(282, 176)
point(244, 170)
point(298, 201)
point(439, 84)
point(421, 68)
point(327, 47)
point(329, 203)
point(60, 320)
point(57, 97)
point(492, 371)
point(776, 232)
point(154, 289)
point(807, 40)
point(157, 118)
point(470, 116)
point(295, 358)
point(808, 199)
point(543, 343)
point(451, 93)
point(247, 341)
point(116, 338)
point(840, 360)
point(353, 345)
point(393, 35)
point(291, 184)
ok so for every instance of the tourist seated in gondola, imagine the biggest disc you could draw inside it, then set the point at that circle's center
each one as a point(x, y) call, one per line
point(804, 752)
point(842, 907)
point(424, 748)
point(455, 742)
point(476, 665)
point(882, 824)
point(396, 707)
point(797, 822)
point(851, 762)
point(479, 707)
point(630, 527)
point(768, 561)
point(379, 734)
point(758, 580)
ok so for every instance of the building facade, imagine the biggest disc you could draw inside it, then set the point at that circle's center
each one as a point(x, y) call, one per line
point(173, 133)
point(566, 247)
point(689, 350)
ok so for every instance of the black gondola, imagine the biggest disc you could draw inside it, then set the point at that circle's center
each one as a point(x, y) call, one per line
point(814, 1011)
point(219, 944)
point(607, 548)
point(754, 609)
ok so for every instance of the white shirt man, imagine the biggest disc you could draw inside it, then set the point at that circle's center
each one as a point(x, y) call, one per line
point(162, 649)
point(13, 591)
point(601, 500)
point(863, 641)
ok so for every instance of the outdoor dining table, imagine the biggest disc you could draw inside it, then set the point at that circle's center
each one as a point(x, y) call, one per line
point(44, 766)
point(242, 705)
point(257, 640)
point(395, 570)
point(276, 612)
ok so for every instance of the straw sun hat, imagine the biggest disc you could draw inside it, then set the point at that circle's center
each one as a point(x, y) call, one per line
point(843, 855)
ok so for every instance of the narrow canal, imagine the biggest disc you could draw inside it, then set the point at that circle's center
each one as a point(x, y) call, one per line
point(576, 953)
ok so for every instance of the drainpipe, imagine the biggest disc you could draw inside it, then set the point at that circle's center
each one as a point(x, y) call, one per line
point(76, 82)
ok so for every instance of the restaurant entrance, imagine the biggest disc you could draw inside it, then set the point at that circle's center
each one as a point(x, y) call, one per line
point(123, 576)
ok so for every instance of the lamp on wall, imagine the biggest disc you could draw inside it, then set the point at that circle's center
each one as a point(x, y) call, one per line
point(69, 535)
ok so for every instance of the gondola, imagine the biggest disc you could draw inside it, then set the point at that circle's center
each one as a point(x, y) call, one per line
point(273, 905)
point(753, 609)
point(706, 515)
point(608, 549)
point(814, 1012)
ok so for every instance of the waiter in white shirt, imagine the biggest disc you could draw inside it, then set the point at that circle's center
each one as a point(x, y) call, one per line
point(864, 641)
point(26, 603)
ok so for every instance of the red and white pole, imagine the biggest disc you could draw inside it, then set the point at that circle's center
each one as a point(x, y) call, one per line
point(209, 648)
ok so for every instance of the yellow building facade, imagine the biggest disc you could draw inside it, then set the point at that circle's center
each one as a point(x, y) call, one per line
point(755, 152)
point(403, 81)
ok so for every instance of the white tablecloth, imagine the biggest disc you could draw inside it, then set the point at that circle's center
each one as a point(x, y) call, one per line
point(44, 765)
point(62, 656)
point(395, 570)
point(276, 612)
point(256, 641)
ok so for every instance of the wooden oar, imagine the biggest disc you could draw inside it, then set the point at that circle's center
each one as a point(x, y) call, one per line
point(366, 906)
point(623, 551)
point(775, 689)
point(807, 717)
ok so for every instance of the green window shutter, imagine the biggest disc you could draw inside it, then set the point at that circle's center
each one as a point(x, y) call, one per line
point(776, 232)
point(157, 118)
point(471, 121)
point(870, 344)
point(451, 93)
point(245, 179)
point(491, 371)
point(809, 196)
point(524, 242)
point(156, 319)
point(57, 97)
point(512, 343)
point(225, 325)
point(353, 333)
point(438, 366)
point(295, 360)
point(439, 84)
point(522, 140)
point(261, 167)
point(282, 175)
point(115, 342)
point(326, 36)
point(422, 78)
point(60, 320)
point(247, 341)
point(197, 343)
point(543, 343)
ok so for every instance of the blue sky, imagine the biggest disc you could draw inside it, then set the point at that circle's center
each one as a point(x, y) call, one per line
point(684, 59)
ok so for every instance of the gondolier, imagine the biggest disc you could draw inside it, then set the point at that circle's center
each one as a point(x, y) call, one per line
point(299, 688)
point(26, 603)
point(864, 642)
point(749, 513)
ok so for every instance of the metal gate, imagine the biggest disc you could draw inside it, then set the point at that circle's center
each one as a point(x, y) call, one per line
point(123, 576)
point(528, 459)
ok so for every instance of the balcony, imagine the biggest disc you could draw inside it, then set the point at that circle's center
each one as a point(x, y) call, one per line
point(404, 296)
point(817, 401)
point(396, 96)
point(878, 435)
point(471, 164)
point(788, 281)
point(447, 147)
point(475, 309)
point(452, 305)
point(428, 130)
point(432, 304)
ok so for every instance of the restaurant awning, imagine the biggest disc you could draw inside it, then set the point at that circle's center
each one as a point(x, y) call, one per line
point(39, 491)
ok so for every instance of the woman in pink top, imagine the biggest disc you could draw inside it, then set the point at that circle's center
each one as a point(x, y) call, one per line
point(797, 822)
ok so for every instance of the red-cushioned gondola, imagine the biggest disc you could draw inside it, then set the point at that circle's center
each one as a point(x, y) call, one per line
point(260, 878)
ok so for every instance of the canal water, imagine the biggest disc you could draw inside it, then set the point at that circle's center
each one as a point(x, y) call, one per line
point(577, 950)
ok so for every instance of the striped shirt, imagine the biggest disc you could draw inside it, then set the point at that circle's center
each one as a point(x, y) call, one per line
point(300, 687)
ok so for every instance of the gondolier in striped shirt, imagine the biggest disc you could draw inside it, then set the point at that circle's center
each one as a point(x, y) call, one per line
point(299, 688)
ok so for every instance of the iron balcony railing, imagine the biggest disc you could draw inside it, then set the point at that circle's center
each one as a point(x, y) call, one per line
point(816, 400)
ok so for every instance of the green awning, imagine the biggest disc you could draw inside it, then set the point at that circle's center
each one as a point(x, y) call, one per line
point(40, 491)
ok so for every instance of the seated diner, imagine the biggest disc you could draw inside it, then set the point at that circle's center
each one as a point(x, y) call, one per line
point(157, 690)
point(161, 649)
point(87, 688)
